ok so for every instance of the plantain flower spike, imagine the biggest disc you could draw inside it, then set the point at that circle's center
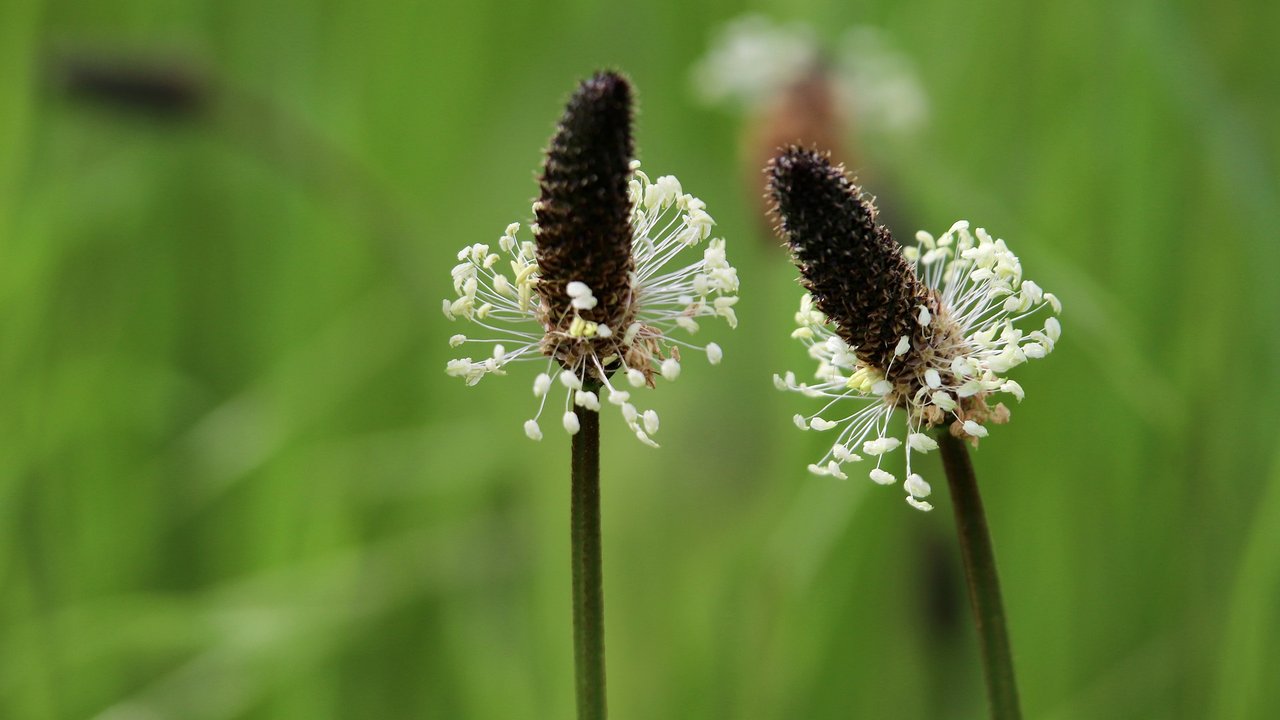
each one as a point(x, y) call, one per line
point(598, 294)
point(931, 328)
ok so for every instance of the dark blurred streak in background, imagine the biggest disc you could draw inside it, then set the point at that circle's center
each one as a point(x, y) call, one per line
point(166, 89)
point(174, 89)
point(941, 593)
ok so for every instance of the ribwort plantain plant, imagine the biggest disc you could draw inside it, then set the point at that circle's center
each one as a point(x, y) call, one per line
point(930, 329)
point(596, 297)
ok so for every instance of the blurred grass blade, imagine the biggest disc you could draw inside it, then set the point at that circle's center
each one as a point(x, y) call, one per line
point(1249, 656)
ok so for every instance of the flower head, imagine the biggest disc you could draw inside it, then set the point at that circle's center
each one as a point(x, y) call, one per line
point(931, 328)
point(595, 295)
point(752, 60)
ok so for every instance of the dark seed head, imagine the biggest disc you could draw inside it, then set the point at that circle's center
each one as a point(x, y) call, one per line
point(583, 212)
point(852, 266)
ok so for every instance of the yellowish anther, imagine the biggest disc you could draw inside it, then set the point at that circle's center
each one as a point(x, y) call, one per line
point(502, 286)
point(863, 379)
point(580, 328)
point(523, 274)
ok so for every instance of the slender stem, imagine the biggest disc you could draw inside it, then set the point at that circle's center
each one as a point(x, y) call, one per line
point(980, 573)
point(588, 590)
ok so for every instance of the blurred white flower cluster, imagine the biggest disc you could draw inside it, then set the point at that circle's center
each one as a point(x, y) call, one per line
point(752, 59)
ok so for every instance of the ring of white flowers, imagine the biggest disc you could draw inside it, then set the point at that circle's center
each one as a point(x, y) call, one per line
point(665, 223)
point(979, 281)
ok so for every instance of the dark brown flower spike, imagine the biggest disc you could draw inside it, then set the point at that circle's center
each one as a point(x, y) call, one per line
point(853, 267)
point(583, 212)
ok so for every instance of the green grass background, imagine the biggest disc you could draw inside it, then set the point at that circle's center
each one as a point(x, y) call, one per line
point(236, 483)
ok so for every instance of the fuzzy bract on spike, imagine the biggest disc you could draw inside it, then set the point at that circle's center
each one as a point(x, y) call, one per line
point(608, 279)
point(931, 328)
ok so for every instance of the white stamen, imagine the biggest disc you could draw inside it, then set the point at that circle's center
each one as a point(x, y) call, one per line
point(532, 430)
point(883, 478)
point(920, 505)
point(1052, 329)
point(541, 384)
point(670, 369)
point(943, 400)
point(921, 442)
point(917, 486)
point(714, 354)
